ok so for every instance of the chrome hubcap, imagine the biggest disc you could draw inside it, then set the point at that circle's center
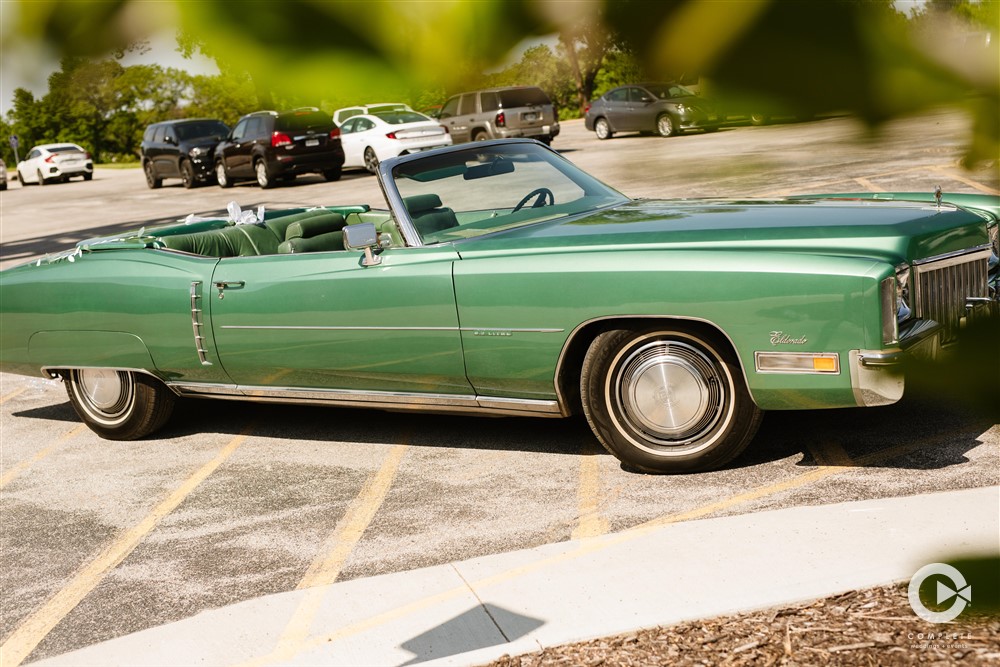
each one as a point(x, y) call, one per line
point(106, 395)
point(220, 173)
point(261, 174)
point(670, 391)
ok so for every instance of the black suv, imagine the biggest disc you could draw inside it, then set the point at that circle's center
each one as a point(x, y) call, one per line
point(269, 146)
point(181, 149)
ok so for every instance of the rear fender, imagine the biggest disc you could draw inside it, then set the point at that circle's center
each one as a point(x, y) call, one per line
point(77, 349)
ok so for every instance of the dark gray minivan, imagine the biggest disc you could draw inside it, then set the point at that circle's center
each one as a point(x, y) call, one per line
point(500, 113)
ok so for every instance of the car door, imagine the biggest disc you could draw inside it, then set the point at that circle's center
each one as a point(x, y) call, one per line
point(27, 170)
point(169, 153)
point(616, 105)
point(236, 151)
point(642, 109)
point(458, 126)
point(323, 321)
point(351, 143)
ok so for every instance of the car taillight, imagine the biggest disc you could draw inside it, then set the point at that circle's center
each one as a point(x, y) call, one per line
point(501, 120)
point(279, 139)
point(86, 155)
point(586, 108)
point(446, 130)
point(391, 135)
point(49, 159)
point(335, 133)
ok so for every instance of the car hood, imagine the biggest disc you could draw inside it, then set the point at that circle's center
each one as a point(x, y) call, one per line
point(891, 231)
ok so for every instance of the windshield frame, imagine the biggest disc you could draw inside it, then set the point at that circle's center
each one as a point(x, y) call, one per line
point(400, 214)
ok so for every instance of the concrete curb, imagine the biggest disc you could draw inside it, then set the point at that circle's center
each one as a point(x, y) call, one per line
point(474, 611)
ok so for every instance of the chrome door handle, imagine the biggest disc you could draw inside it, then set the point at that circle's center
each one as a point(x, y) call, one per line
point(227, 284)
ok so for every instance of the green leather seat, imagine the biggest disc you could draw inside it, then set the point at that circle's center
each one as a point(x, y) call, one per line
point(234, 241)
point(428, 215)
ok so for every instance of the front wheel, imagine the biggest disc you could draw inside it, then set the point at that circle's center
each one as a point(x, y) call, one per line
point(151, 180)
point(668, 399)
point(187, 175)
point(666, 126)
point(119, 405)
point(221, 177)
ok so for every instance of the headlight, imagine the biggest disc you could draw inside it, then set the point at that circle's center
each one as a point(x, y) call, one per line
point(198, 151)
point(894, 293)
point(682, 108)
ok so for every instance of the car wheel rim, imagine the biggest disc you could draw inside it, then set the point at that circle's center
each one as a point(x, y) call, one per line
point(149, 174)
point(106, 395)
point(602, 129)
point(669, 392)
point(220, 174)
point(666, 126)
point(371, 162)
point(41, 179)
point(186, 175)
point(262, 175)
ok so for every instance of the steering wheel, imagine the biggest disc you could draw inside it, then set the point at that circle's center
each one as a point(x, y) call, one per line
point(542, 194)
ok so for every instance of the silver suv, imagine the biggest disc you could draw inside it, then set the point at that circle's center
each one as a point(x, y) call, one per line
point(500, 113)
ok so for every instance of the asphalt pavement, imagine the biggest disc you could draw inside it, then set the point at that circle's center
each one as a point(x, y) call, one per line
point(662, 573)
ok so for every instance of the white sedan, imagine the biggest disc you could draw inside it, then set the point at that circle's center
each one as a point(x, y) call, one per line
point(54, 162)
point(370, 138)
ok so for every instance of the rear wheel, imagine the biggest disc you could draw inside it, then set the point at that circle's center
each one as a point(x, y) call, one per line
point(41, 179)
point(603, 129)
point(119, 405)
point(332, 174)
point(187, 175)
point(668, 399)
point(221, 177)
point(264, 177)
point(759, 119)
point(151, 180)
point(88, 176)
point(371, 160)
point(480, 136)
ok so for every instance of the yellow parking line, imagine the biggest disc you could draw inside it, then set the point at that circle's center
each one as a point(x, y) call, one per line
point(14, 472)
point(327, 566)
point(11, 395)
point(867, 185)
point(40, 623)
point(591, 523)
point(948, 173)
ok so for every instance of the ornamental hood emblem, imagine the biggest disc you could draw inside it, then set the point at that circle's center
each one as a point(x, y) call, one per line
point(781, 338)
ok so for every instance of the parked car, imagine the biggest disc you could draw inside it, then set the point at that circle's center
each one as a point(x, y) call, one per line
point(340, 116)
point(271, 147)
point(500, 113)
point(49, 163)
point(371, 138)
point(667, 109)
point(503, 280)
point(181, 149)
point(3, 175)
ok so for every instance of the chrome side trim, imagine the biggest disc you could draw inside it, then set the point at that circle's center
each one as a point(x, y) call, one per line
point(403, 401)
point(576, 330)
point(197, 323)
point(52, 372)
point(331, 328)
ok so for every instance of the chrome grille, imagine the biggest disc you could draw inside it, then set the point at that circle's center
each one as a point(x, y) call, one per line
point(942, 285)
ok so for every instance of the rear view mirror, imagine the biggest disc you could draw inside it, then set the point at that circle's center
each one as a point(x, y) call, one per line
point(496, 166)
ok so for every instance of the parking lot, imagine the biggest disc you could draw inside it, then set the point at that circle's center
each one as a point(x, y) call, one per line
point(235, 501)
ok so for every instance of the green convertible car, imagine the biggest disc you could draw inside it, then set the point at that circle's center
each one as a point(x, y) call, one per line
point(503, 280)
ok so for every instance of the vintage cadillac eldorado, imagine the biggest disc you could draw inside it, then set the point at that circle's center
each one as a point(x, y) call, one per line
point(503, 280)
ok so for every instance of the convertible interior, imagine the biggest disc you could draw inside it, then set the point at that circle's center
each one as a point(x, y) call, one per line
point(282, 232)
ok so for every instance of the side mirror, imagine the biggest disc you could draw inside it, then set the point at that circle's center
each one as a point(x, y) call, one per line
point(363, 236)
point(170, 140)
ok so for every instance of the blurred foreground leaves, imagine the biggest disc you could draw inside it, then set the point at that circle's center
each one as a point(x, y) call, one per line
point(860, 56)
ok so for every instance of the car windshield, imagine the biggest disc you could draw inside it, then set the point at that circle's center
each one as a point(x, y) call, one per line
point(523, 97)
point(668, 91)
point(400, 117)
point(208, 128)
point(475, 191)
